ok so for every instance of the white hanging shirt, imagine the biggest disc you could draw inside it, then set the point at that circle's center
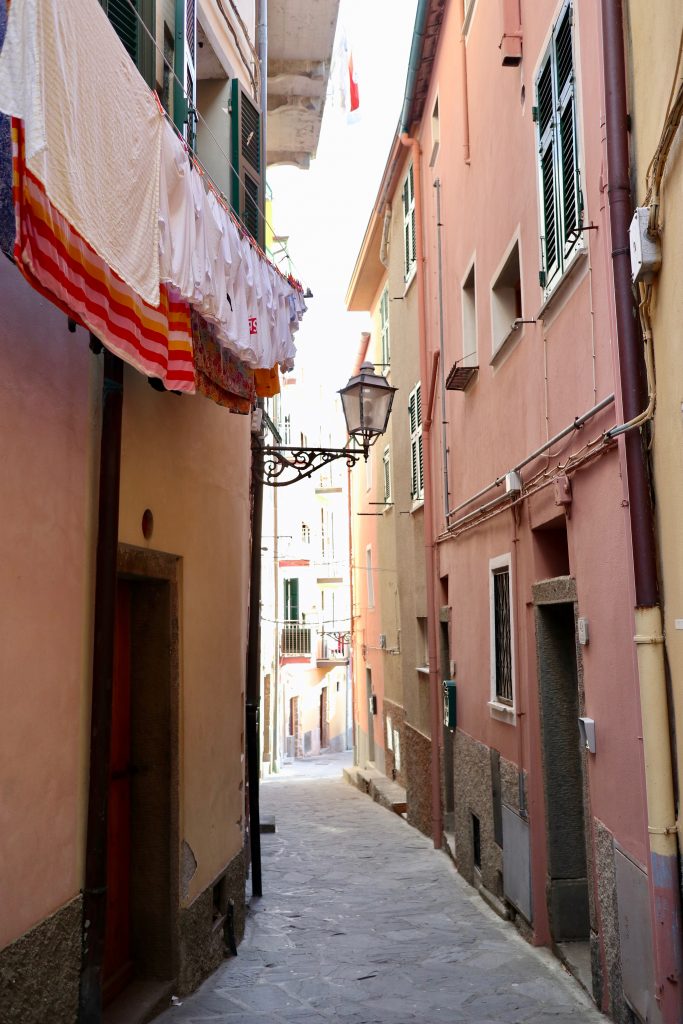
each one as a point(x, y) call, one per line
point(176, 215)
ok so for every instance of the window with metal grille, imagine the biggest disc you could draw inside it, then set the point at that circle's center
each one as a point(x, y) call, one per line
point(409, 223)
point(561, 203)
point(416, 454)
point(384, 327)
point(502, 634)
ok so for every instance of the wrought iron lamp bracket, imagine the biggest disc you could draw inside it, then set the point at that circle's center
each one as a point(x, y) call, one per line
point(282, 466)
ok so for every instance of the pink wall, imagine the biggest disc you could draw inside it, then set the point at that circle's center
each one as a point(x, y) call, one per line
point(564, 365)
point(44, 546)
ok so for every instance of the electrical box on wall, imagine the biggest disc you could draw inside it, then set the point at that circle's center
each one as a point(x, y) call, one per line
point(582, 626)
point(587, 733)
point(449, 704)
point(646, 251)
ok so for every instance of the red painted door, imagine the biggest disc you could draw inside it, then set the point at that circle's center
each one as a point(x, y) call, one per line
point(118, 964)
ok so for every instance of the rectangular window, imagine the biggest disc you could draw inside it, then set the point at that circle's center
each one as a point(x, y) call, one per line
point(423, 643)
point(502, 643)
point(305, 533)
point(384, 328)
point(561, 203)
point(469, 320)
point(409, 237)
point(386, 467)
point(506, 299)
point(416, 454)
point(368, 575)
point(291, 600)
point(287, 430)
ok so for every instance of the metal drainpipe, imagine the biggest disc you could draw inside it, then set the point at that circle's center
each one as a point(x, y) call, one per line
point(432, 609)
point(95, 886)
point(275, 692)
point(442, 373)
point(663, 875)
point(253, 694)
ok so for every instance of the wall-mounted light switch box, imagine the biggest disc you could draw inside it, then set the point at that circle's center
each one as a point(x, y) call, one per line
point(582, 626)
point(587, 732)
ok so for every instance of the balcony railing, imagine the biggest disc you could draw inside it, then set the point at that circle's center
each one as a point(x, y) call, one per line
point(295, 640)
point(333, 646)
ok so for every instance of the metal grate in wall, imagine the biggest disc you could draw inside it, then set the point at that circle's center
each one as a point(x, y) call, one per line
point(503, 637)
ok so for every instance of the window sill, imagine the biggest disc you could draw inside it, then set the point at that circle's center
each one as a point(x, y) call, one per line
point(417, 505)
point(422, 670)
point(502, 712)
point(410, 278)
point(514, 335)
point(559, 291)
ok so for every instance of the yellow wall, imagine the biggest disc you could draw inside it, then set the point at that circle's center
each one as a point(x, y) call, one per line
point(654, 42)
point(188, 461)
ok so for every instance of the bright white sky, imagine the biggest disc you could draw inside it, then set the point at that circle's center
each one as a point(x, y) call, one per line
point(325, 209)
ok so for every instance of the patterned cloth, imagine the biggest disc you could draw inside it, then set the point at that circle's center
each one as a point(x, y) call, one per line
point(7, 225)
point(55, 259)
point(219, 375)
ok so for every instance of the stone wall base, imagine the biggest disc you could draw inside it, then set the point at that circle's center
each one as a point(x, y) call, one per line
point(202, 942)
point(40, 972)
point(418, 761)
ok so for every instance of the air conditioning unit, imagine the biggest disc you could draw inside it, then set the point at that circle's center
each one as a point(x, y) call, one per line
point(383, 641)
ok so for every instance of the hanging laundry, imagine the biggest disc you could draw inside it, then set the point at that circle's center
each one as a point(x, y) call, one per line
point(7, 225)
point(219, 373)
point(176, 214)
point(93, 130)
point(267, 382)
point(156, 340)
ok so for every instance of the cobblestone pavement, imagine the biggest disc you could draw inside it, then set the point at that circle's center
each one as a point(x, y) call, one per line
point(363, 922)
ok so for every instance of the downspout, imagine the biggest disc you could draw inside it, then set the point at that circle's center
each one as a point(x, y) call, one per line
point(95, 885)
point(663, 875)
point(275, 694)
point(253, 686)
point(442, 373)
point(430, 550)
point(464, 100)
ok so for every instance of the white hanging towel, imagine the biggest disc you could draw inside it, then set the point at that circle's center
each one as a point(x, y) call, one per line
point(92, 129)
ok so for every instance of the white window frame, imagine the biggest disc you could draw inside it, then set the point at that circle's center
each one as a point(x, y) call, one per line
point(436, 131)
point(368, 473)
point(384, 328)
point(370, 586)
point(416, 443)
point(469, 315)
point(409, 226)
point(502, 712)
point(386, 474)
point(567, 251)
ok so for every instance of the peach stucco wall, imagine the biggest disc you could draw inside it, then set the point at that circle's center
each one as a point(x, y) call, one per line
point(550, 372)
point(188, 460)
point(45, 626)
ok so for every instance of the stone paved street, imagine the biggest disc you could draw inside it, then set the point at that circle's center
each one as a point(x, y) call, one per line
point(362, 921)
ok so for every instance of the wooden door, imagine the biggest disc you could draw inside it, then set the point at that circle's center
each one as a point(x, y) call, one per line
point(118, 963)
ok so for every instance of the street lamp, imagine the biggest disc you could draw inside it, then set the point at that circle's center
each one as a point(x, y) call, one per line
point(366, 403)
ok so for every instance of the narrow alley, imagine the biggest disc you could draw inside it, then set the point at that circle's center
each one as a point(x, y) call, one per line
point(362, 921)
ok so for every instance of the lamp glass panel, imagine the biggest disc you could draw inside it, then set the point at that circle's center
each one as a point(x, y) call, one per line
point(351, 407)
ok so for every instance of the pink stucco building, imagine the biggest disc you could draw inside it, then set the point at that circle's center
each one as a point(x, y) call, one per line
point(506, 216)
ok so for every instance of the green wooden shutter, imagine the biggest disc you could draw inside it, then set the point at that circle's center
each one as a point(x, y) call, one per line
point(247, 160)
point(292, 600)
point(132, 34)
point(570, 203)
point(561, 202)
point(546, 145)
point(185, 56)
